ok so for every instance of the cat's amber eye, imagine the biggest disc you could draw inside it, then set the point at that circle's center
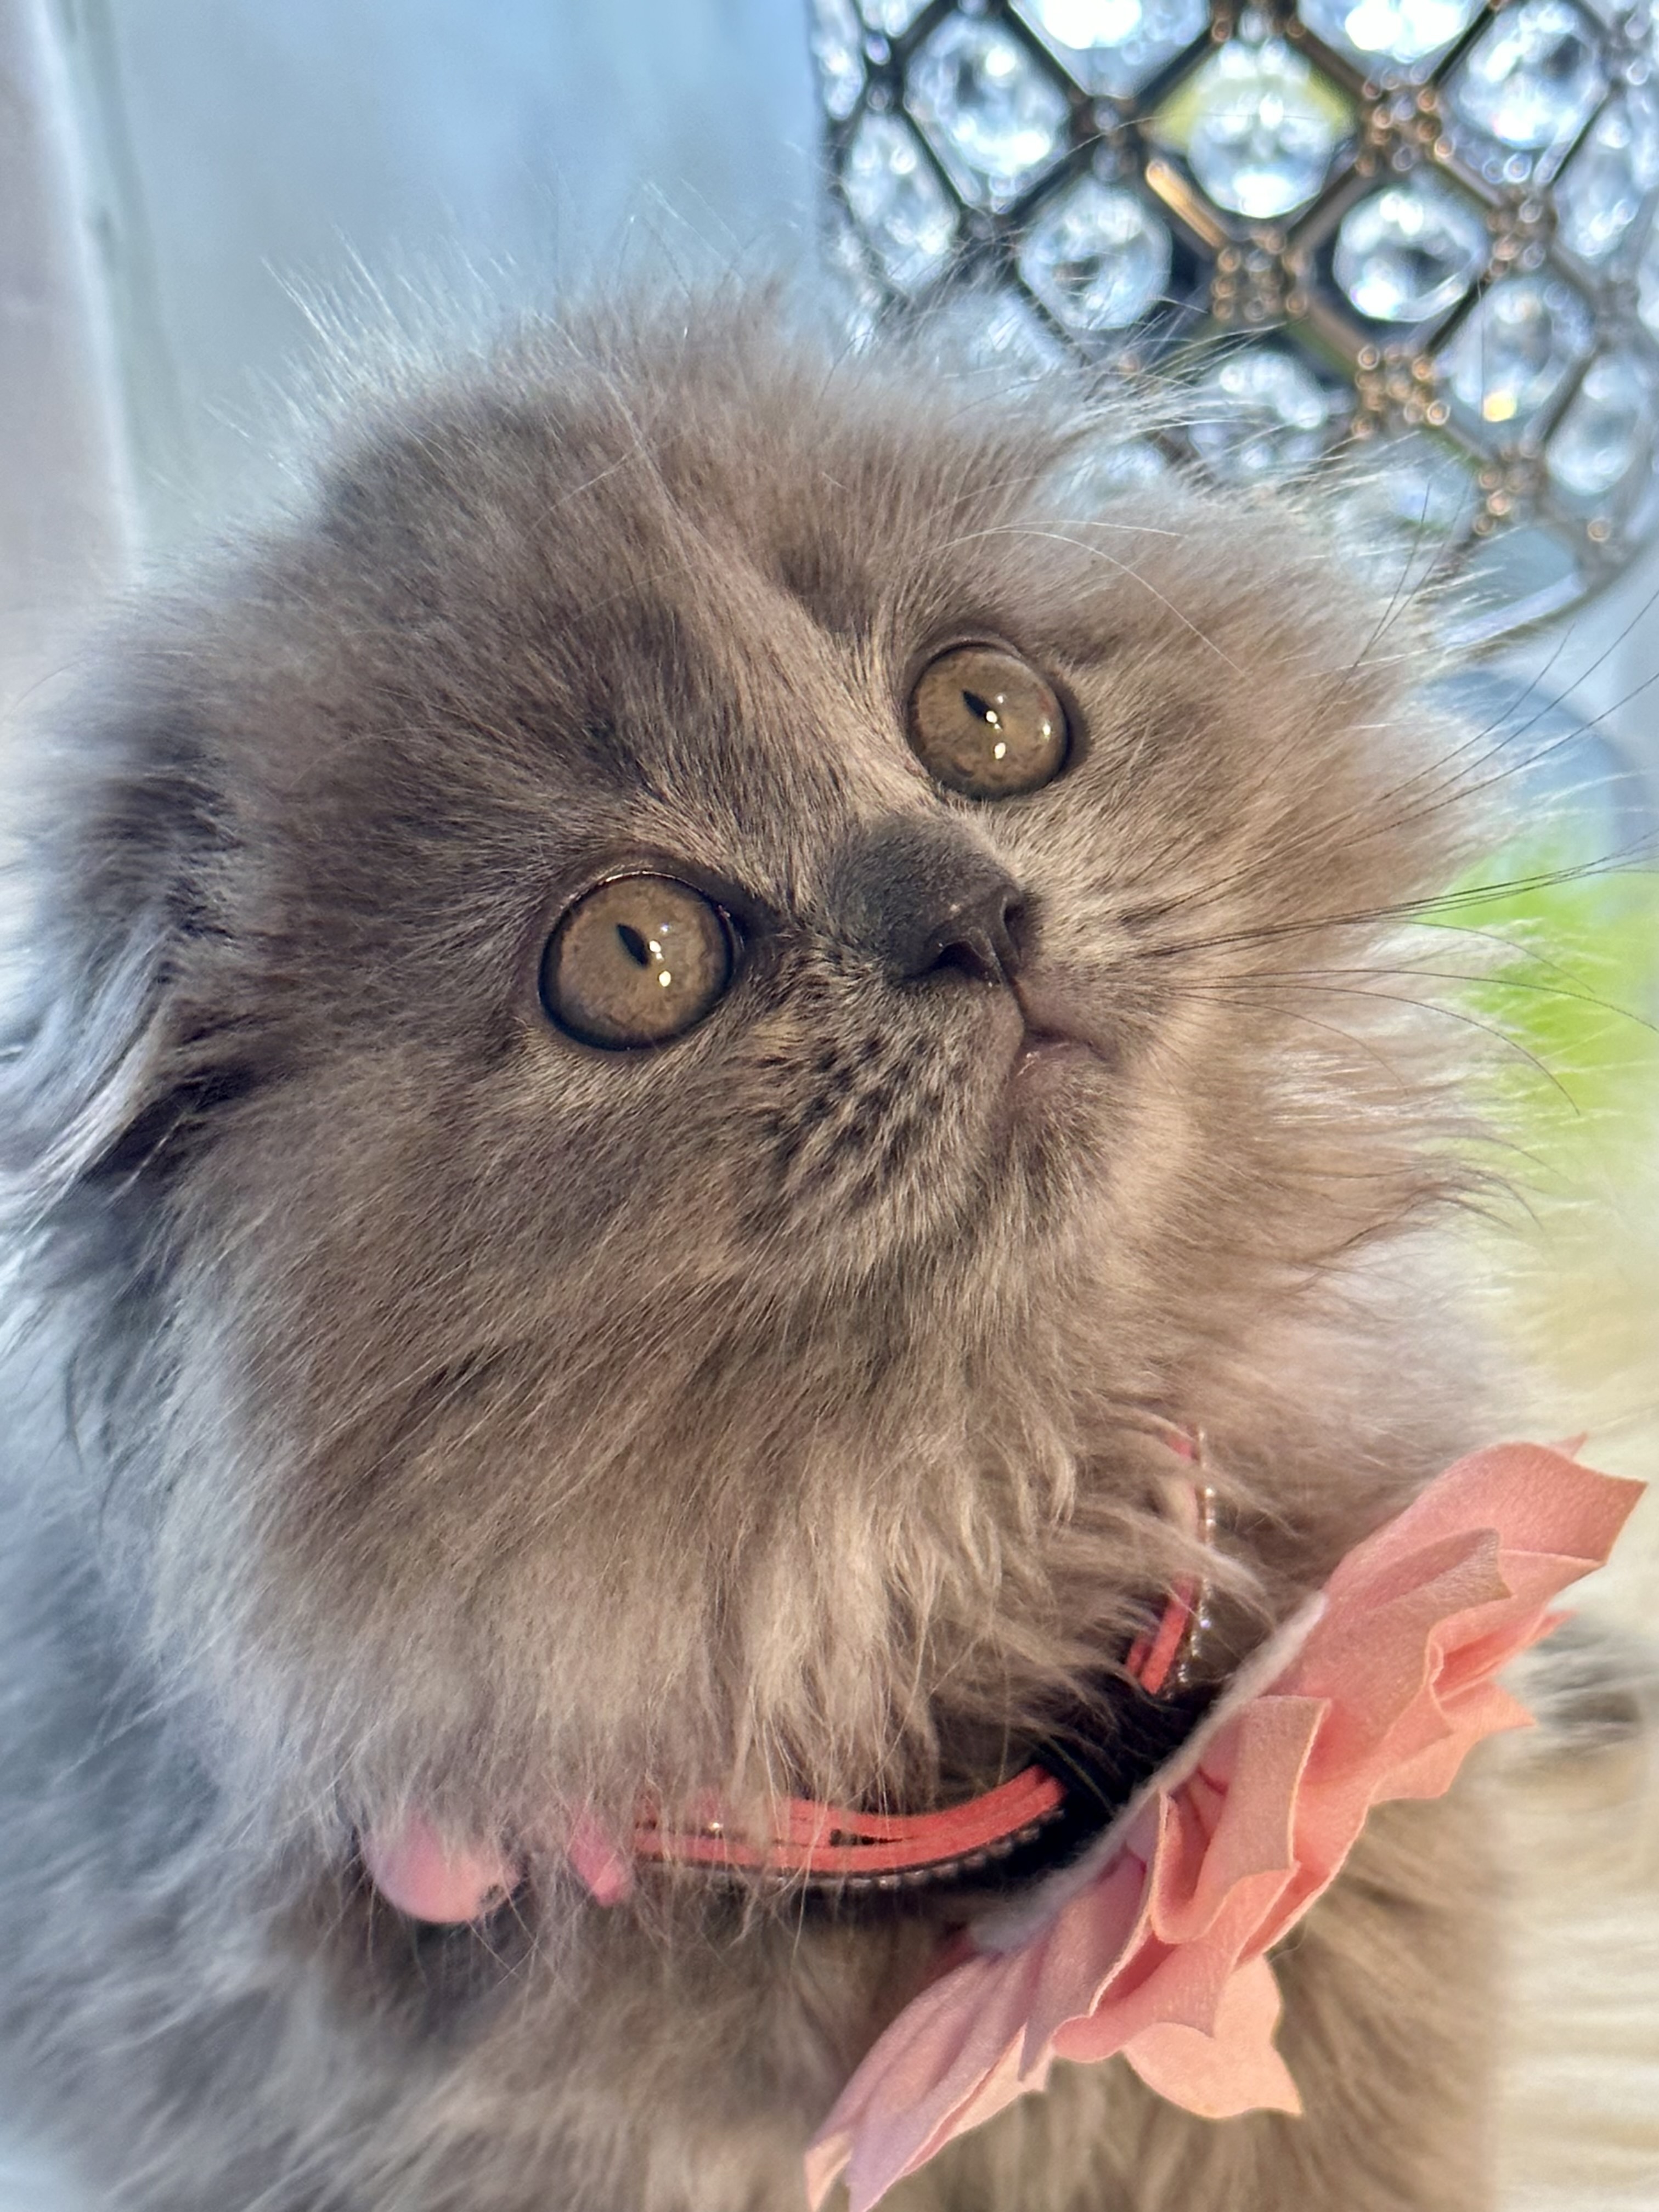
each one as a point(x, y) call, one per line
point(983, 722)
point(636, 961)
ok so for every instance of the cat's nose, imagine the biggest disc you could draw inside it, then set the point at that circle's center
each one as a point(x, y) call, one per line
point(927, 901)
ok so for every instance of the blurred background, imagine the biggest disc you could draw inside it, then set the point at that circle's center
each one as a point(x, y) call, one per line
point(193, 191)
point(183, 183)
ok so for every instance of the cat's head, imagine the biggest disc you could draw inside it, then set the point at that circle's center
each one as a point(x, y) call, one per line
point(672, 1016)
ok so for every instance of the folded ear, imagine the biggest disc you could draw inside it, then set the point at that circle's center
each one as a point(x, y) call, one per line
point(112, 1059)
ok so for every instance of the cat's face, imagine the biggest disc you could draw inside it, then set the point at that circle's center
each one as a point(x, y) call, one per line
point(691, 1157)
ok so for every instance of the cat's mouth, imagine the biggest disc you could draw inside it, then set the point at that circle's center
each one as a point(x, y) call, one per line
point(1057, 1027)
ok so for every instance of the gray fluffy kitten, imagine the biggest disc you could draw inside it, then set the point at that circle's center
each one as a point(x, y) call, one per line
point(460, 1381)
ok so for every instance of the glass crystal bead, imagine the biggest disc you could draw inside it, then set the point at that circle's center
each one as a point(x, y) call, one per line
point(861, 299)
point(1130, 467)
point(898, 203)
point(1259, 413)
point(1606, 430)
point(1533, 79)
point(1643, 519)
point(995, 117)
point(1258, 125)
point(1015, 337)
point(1408, 498)
point(1610, 177)
point(1096, 479)
point(1508, 360)
point(1098, 258)
point(838, 50)
point(1410, 252)
point(1113, 47)
point(994, 330)
point(1403, 31)
point(892, 18)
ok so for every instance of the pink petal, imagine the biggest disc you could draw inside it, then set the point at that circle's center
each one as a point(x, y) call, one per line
point(1371, 1659)
point(1538, 1500)
point(1252, 1772)
point(1235, 2069)
point(1096, 1932)
point(929, 2077)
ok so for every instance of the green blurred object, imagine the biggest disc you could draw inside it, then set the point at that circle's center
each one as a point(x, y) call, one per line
point(1563, 966)
point(1584, 998)
point(1575, 894)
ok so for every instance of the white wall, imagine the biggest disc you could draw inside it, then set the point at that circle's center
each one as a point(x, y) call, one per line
point(62, 519)
point(245, 150)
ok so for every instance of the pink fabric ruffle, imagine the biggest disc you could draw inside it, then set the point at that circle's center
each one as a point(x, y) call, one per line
point(1155, 1947)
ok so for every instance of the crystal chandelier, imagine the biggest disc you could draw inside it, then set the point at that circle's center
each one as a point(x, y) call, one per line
point(1418, 231)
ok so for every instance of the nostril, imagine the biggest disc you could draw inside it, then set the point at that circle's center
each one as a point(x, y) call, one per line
point(1015, 933)
point(971, 952)
point(986, 946)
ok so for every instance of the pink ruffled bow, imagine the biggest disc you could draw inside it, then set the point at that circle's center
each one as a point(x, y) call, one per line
point(1155, 1945)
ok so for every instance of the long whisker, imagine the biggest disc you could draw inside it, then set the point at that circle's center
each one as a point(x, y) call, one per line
point(1424, 1006)
point(1403, 910)
point(1496, 981)
point(1466, 785)
point(1407, 591)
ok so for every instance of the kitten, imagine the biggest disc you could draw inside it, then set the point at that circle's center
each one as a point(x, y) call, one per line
point(665, 1029)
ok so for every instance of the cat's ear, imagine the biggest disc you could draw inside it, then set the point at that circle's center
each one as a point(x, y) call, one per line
point(105, 1068)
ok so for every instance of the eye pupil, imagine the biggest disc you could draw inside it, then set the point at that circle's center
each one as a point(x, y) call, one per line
point(983, 722)
point(636, 961)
